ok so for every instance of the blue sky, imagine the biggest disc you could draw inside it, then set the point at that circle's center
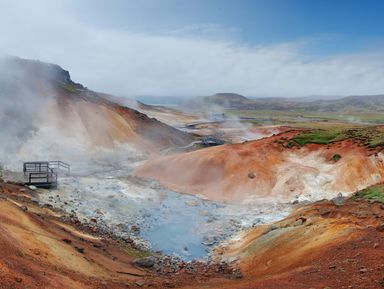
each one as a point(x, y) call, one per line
point(186, 48)
point(338, 25)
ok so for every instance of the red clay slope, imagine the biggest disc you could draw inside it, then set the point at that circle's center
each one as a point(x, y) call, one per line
point(264, 169)
point(43, 248)
point(318, 246)
point(39, 250)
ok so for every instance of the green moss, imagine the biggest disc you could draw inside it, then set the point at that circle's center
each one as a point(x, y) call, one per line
point(319, 136)
point(374, 193)
point(306, 118)
point(377, 141)
point(371, 136)
point(135, 253)
point(336, 157)
point(291, 144)
point(70, 88)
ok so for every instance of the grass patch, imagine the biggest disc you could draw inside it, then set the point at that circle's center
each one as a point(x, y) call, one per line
point(135, 253)
point(377, 141)
point(291, 144)
point(318, 137)
point(374, 193)
point(307, 118)
point(70, 88)
point(336, 157)
point(370, 136)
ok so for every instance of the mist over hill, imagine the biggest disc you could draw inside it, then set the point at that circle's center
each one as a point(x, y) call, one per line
point(44, 114)
point(356, 103)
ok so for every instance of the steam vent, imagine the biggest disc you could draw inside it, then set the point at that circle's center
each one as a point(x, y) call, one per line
point(222, 144)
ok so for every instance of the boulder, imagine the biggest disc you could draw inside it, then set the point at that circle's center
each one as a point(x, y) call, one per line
point(146, 262)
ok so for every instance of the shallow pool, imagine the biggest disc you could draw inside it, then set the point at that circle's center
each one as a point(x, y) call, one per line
point(173, 223)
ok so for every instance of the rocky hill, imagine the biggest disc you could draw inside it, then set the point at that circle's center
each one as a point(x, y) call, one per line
point(45, 114)
point(281, 167)
point(224, 100)
point(235, 101)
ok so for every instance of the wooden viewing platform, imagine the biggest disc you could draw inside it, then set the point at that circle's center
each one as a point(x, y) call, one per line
point(44, 174)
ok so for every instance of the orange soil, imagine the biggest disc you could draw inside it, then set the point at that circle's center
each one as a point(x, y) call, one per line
point(167, 115)
point(318, 246)
point(265, 169)
point(93, 122)
point(236, 133)
point(103, 123)
point(37, 250)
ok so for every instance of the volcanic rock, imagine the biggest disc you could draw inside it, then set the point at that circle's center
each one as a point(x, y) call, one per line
point(146, 262)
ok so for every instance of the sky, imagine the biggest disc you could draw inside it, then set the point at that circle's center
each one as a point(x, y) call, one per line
point(183, 48)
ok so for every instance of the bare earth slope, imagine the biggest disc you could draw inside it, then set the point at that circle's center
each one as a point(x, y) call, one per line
point(321, 245)
point(266, 169)
point(326, 244)
point(42, 108)
point(44, 248)
point(39, 250)
point(167, 115)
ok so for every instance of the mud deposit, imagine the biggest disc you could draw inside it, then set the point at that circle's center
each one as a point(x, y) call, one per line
point(157, 219)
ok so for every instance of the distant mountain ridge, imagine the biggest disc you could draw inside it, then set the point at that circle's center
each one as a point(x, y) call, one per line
point(224, 100)
point(237, 101)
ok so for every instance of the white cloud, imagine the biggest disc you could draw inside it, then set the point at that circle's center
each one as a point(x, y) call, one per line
point(128, 63)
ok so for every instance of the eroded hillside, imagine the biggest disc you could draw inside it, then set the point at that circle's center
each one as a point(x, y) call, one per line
point(274, 168)
point(46, 115)
point(328, 244)
point(42, 247)
point(334, 244)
